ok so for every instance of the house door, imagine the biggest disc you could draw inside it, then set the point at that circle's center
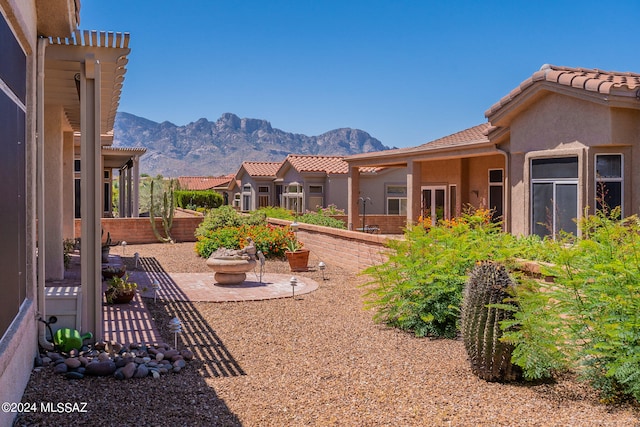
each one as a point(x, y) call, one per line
point(554, 196)
point(434, 203)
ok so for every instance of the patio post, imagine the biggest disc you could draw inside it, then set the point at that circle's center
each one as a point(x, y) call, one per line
point(353, 194)
point(414, 178)
point(91, 200)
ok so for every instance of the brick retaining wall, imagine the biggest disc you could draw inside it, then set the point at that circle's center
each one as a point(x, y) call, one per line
point(138, 230)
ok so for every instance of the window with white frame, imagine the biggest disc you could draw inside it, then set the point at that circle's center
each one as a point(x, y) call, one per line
point(236, 200)
point(246, 197)
point(609, 182)
point(292, 197)
point(316, 197)
point(496, 194)
point(554, 195)
point(396, 196)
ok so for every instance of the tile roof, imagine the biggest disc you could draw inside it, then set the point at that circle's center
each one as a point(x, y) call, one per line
point(468, 136)
point(326, 164)
point(592, 80)
point(471, 136)
point(203, 182)
point(266, 169)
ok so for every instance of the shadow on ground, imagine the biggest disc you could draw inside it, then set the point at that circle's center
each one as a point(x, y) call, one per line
point(197, 335)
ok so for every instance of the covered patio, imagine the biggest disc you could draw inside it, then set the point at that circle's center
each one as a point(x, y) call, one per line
point(443, 177)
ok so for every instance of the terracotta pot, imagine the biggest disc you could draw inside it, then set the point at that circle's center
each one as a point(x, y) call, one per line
point(298, 260)
point(121, 298)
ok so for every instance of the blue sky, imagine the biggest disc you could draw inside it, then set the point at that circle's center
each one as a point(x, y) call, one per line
point(405, 71)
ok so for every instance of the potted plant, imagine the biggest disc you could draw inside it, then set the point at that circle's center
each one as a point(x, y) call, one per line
point(106, 246)
point(110, 271)
point(296, 254)
point(120, 290)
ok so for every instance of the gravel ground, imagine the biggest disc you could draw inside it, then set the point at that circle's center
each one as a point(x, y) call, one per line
point(316, 360)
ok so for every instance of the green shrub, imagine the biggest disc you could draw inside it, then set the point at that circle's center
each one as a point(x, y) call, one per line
point(193, 199)
point(224, 216)
point(317, 218)
point(323, 217)
point(272, 241)
point(277, 212)
point(589, 319)
point(420, 287)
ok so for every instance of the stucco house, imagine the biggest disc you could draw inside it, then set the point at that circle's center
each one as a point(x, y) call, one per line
point(561, 143)
point(309, 182)
point(253, 187)
point(63, 86)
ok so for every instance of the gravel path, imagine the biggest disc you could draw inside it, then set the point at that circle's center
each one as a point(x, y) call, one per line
point(318, 360)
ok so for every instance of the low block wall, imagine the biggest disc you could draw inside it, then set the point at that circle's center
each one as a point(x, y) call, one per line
point(388, 224)
point(351, 250)
point(138, 230)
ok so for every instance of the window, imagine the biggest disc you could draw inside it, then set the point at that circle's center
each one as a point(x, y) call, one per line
point(453, 201)
point(263, 196)
point(609, 182)
point(236, 200)
point(246, 197)
point(316, 197)
point(433, 203)
point(554, 195)
point(396, 200)
point(14, 244)
point(292, 197)
point(496, 194)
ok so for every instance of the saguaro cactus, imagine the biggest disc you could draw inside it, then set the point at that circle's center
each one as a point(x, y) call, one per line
point(480, 325)
point(168, 209)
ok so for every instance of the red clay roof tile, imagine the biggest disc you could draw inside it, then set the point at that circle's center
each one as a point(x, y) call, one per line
point(203, 182)
point(592, 80)
point(266, 169)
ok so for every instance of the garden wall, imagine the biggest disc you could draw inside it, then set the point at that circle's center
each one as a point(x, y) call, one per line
point(388, 224)
point(351, 250)
point(138, 230)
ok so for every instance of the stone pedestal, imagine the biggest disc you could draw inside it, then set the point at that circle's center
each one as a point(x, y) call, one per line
point(230, 270)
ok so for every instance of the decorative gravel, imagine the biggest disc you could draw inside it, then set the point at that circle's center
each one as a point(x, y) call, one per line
point(316, 360)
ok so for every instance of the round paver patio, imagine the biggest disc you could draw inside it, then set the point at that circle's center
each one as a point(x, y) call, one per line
point(202, 287)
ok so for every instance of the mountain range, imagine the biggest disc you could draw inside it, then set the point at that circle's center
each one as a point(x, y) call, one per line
point(205, 148)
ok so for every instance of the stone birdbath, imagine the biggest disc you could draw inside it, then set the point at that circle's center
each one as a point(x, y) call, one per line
point(231, 266)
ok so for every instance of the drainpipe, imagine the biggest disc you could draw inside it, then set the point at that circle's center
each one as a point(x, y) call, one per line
point(40, 312)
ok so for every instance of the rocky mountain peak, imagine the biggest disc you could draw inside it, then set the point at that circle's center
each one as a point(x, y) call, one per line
point(218, 148)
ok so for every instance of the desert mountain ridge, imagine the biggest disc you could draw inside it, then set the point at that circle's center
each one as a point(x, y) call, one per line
point(205, 148)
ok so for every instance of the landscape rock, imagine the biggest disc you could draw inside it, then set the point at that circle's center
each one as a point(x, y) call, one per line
point(72, 363)
point(141, 372)
point(60, 368)
point(100, 368)
point(129, 369)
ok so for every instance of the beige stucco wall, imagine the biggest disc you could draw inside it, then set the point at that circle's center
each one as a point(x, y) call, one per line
point(560, 126)
point(374, 187)
point(558, 121)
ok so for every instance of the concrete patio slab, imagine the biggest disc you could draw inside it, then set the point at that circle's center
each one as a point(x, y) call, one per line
point(201, 287)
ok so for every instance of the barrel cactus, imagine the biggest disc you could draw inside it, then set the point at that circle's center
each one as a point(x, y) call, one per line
point(490, 358)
